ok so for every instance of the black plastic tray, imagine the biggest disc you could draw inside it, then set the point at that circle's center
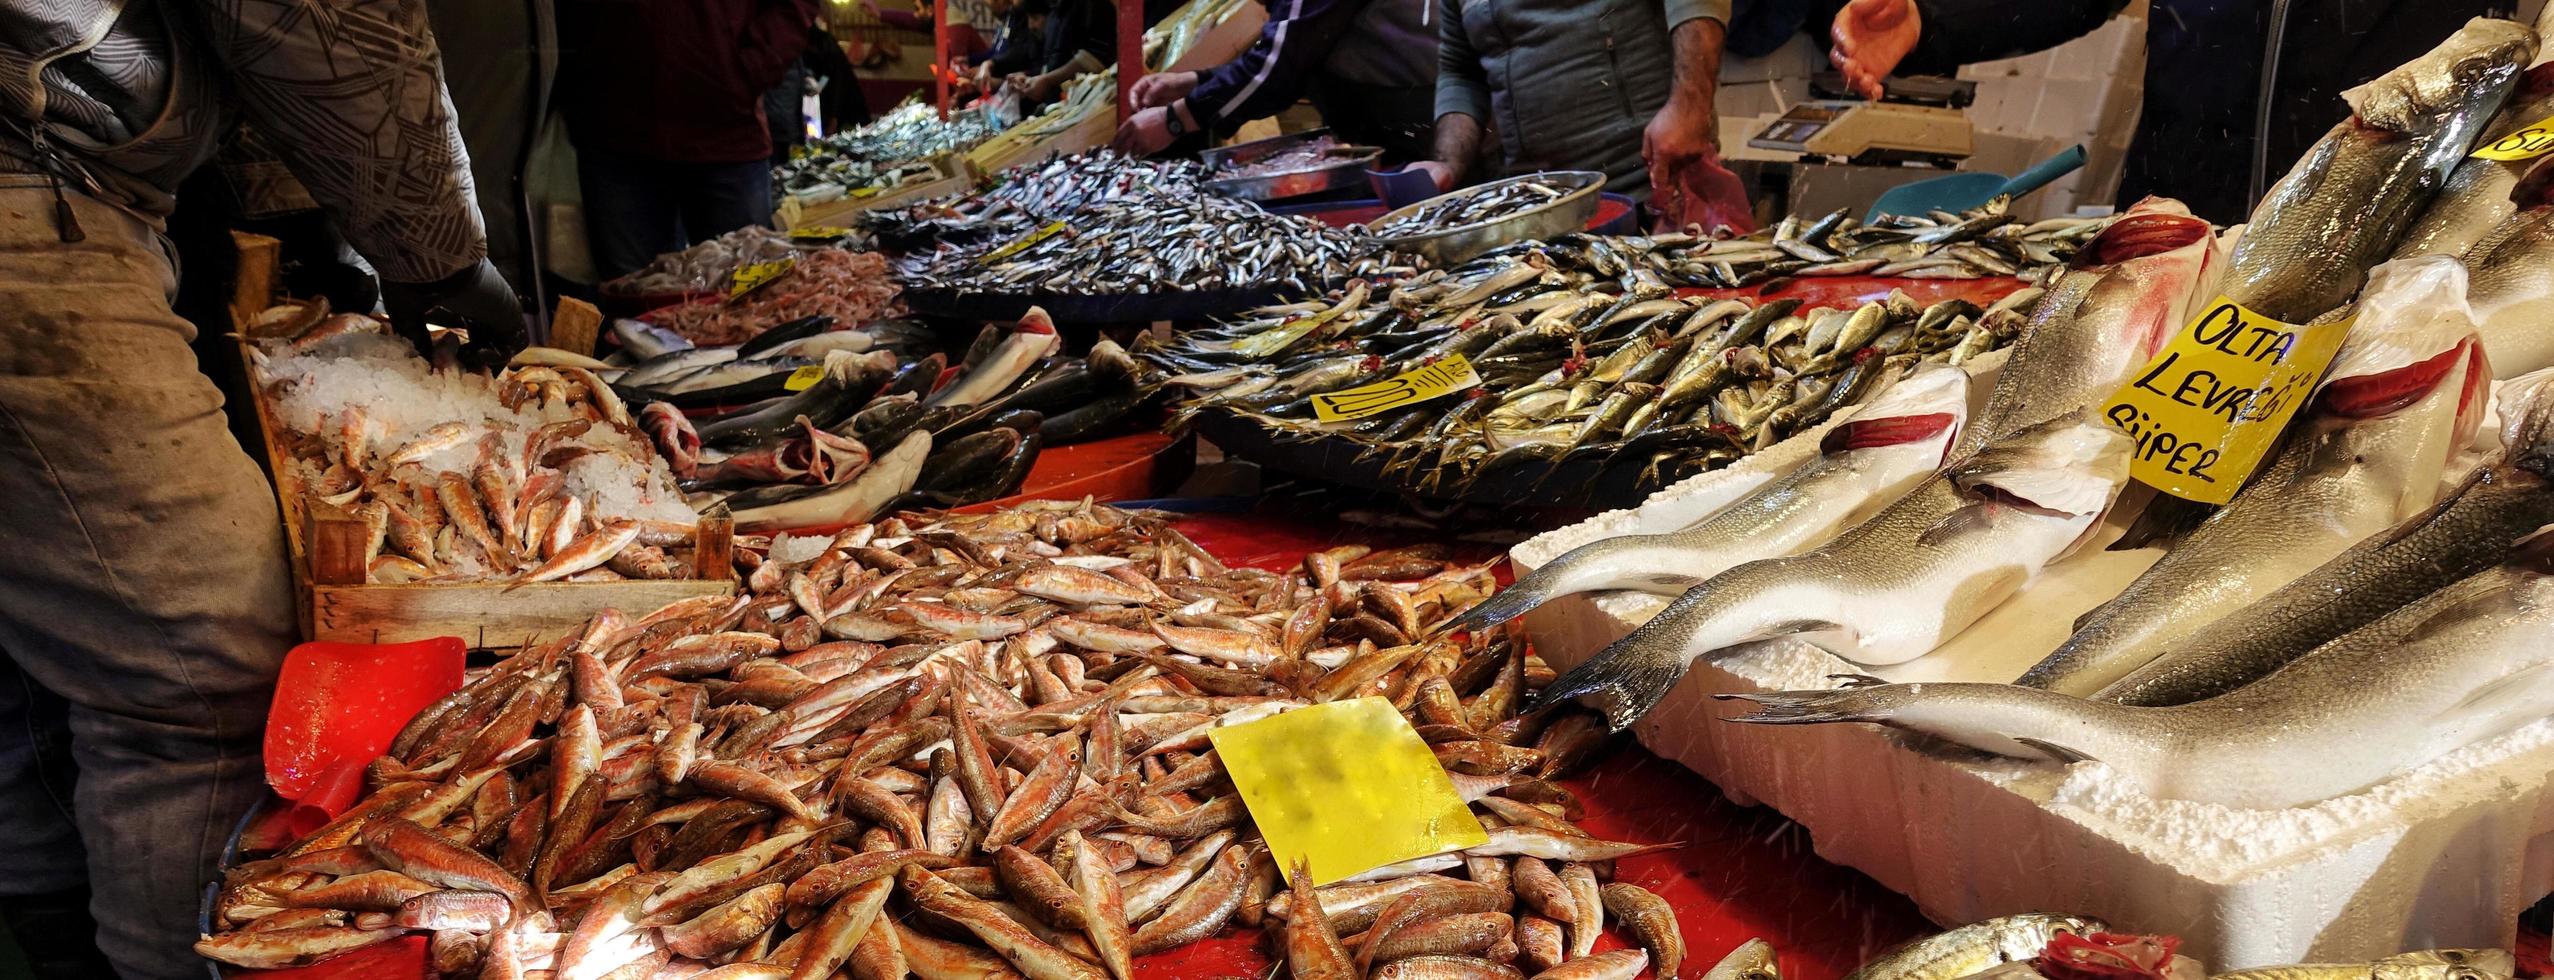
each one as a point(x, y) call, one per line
point(1600, 483)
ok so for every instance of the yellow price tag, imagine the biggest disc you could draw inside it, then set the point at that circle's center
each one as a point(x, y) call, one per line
point(864, 192)
point(2207, 408)
point(746, 279)
point(819, 233)
point(803, 378)
point(1448, 375)
point(1007, 251)
point(2525, 143)
point(1283, 335)
point(1347, 786)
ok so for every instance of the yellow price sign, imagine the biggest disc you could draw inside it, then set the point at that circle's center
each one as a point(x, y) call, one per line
point(1347, 786)
point(1052, 229)
point(746, 279)
point(2525, 143)
point(2207, 408)
point(1448, 375)
point(819, 233)
point(803, 378)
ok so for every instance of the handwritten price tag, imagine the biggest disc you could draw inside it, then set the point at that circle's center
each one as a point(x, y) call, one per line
point(1452, 374)
point(1052, 229)
point(756, 276)
point(2206, 410)
point(2526, 143)
point(803, 378)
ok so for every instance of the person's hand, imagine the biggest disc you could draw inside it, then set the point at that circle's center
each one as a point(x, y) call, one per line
point(1145, 133)
point(1041, 88)
point(1163, 88)
point(1678, 139)
point(475, 300)
point(1438, 171)
point(1871, 37)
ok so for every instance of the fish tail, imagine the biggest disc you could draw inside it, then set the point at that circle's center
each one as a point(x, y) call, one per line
point(1624, 681)
point(1872, 704)
point(1581, 569)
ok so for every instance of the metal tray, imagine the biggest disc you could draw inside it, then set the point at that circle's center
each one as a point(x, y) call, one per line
point(1346, 169)
point(1201, 304)
point(1454, 246)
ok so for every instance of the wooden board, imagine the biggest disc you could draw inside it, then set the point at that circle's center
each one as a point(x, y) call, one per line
point(326, 551)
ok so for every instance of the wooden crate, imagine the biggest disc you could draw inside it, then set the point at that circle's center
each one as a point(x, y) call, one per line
point(326, 551)
point(955, 178)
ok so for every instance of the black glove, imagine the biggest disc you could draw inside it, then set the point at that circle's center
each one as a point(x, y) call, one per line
point(475, 300)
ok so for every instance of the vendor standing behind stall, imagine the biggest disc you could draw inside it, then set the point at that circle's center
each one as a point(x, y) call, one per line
point(145, 606)
point(1046, 43)
point(1618, 86)
point(664, 101)
point(1369, 66)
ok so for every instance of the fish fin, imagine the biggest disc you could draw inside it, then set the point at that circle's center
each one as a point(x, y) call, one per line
point(1874, 704)
point(1963, 519)
point(1852, 681)
point(2060, 753)
point(2165, 519)
point(1623, 682)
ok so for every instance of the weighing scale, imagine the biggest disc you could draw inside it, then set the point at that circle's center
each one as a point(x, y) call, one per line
point(1917, 120)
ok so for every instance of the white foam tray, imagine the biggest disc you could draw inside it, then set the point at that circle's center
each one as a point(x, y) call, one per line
point(2445, 855)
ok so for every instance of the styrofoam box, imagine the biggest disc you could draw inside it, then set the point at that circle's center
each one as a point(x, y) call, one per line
point(2446, 855)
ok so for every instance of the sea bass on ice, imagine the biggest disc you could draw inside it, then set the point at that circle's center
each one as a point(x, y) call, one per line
point(1892, 588)
point(1888, 446)
point(1964, 540)
point(2403, 395)
point(2462, 664)
point(2347, 202)
point(2478, 525)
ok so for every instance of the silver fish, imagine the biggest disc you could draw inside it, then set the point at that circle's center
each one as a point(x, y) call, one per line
point(2510, 285)
point(2427, 964)
point(1975, 948)
point(2477, 196)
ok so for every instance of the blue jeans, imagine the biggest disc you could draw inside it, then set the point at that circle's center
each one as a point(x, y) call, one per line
point(637, 209)
point(145, 606)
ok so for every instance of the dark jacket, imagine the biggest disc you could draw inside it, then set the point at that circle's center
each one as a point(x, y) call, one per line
point(2204, 58)
point(676, 80)
point(1040, 36)
point(1567, 84)
point(1378, 43)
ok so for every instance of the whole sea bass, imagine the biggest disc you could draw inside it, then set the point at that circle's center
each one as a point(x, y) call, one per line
point(1889, 445)
point(2479, 524)
point(1966, 539)
point(2347, 202)
point(2462, 664)
point(2477, 195)
point(2404, 394)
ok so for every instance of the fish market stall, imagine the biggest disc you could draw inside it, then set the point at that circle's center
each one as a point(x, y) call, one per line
point(910, 152)
point(2284, 700)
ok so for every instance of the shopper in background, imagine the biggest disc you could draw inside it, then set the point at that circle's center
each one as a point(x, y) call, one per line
point(2197, 136)
point(1369, 66)
point(664, 102)
point(145, 605)
point(1623, 87)
point(840, 104)
point(1046, 43)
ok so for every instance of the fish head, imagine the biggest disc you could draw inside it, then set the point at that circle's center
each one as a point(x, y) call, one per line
point(1927, 406)
point(2073, 465)
point(2526, 411)
point(2466, 76)
point(1752, 960)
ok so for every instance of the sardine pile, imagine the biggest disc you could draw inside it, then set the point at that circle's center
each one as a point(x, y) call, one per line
point(885, 154)
point(1475, 206)
point(535, 475)
point(709, 266)
point(851, 287)
point(1022, 199)
point(1988, 241)
point(1584, 354)
point(1100, 225)
point(966, 746)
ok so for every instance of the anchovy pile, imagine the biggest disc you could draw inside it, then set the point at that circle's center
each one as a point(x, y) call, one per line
point(962, 747)
point(1476, 206)
point(1584, 355)
point(1103, 225)
point(1988, 241)
point(895, 149)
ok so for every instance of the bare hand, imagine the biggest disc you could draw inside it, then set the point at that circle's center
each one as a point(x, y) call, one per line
point(1164, 88)
point(1678, 139)
point(1145, 133)
point(1871, 37)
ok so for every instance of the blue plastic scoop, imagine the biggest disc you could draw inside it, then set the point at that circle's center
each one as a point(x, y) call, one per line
point(1959, 192)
